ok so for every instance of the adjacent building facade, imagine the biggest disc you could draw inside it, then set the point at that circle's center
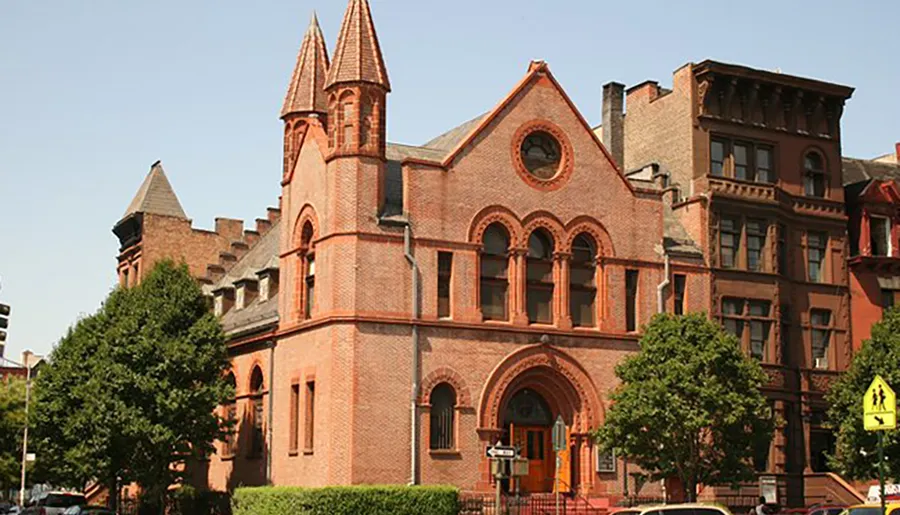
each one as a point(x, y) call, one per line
point(405, 307)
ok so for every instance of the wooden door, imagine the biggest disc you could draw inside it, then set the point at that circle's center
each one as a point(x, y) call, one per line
point(536, 446)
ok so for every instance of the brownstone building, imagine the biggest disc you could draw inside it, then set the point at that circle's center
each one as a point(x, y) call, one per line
point(754, 159)
point(407, 306)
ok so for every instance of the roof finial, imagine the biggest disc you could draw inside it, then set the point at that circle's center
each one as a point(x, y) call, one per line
point(306, 92)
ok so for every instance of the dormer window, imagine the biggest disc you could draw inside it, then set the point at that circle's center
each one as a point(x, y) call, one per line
point(223, 300)
point(268, 284)
point(880, 229)
point(245, 293)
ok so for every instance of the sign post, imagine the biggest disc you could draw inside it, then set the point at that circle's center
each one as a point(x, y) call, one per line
point(559, 444)
point(880, 415)
point(502, 459)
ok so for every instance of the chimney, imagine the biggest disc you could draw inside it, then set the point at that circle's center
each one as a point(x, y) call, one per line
point(614, 121)
point(897, 151)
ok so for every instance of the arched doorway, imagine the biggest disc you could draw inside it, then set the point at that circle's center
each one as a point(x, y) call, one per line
point(527, 391)
point(529, 422)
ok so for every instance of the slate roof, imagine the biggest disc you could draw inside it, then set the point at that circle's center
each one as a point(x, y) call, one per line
point(306, 92)
point(156, 196)
point(258, 314)
point(357, 56)
point(452, 138)
point(676, 238)
point(860, 170)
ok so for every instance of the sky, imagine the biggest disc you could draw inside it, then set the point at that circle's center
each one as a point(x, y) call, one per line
point(92, 92)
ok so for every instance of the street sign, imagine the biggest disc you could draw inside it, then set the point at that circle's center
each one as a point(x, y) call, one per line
point(559, 434)
point(500, 452)
point(880, 406)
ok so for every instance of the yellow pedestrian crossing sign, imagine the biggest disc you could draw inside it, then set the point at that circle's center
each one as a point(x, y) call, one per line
point(880, 406)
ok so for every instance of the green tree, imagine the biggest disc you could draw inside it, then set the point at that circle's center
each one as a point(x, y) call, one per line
point(856, 449)
point(131, 391)
point(689, 405)
point(12, 422)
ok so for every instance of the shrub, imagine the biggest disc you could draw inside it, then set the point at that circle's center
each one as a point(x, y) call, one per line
point(347, 500)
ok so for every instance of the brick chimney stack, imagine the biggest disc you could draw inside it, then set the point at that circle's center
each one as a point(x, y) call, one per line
point(614, 121)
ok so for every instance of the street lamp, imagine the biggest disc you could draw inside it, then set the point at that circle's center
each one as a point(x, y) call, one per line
point(27, 368)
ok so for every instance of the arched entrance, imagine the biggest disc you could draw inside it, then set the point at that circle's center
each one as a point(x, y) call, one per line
point(530, 422)
point(522, 398)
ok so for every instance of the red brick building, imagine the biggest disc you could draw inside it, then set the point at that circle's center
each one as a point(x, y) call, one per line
point(407, 306)
point(873, 206)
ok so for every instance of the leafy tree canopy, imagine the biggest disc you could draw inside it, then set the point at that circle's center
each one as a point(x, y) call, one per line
point(12, 423)
point(856, 450)
point(689, 405)
point(131, 390)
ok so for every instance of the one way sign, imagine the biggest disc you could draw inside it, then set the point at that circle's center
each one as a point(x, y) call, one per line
point(502, 452)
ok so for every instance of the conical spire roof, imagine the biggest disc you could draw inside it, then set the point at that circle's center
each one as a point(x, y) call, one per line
point(306, 93)
point(156, 196)
point(357, 57)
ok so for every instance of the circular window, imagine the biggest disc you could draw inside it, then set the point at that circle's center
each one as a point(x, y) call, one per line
point(541, 155)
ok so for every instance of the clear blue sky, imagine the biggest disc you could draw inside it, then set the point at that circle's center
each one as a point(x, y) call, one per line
point(93, 92)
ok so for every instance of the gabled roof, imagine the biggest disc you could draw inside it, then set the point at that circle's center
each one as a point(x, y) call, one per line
point(306, 92)
point(156, 196)
point(357, 56)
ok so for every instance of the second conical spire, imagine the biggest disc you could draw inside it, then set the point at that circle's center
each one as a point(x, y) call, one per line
point(306, 92)
point(357, 57)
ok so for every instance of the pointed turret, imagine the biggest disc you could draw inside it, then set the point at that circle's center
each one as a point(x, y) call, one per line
point(357, 88)
point(156, 196)
point(357, 57)
point(306, 92)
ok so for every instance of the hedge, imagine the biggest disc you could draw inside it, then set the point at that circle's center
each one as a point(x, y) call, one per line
point(346, 500)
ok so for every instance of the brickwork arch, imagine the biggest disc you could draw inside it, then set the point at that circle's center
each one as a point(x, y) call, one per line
point(496, 214)
point(449, 376)
point(586, 224)
point(558, 377)
point(547, 221)
point(307, 215)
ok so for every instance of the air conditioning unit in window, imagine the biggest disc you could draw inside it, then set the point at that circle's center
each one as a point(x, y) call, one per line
point(821, 363)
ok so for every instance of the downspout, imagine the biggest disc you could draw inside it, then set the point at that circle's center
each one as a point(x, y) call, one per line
point(271, 410)
point(414, 393)
point(661, 287)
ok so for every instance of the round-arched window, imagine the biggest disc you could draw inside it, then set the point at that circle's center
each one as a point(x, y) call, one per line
point(541, 154)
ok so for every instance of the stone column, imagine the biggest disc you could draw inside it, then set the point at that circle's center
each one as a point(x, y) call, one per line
point(562, 318)
point(518, 283)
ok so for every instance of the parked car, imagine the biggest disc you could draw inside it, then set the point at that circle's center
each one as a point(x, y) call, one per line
point(892, 508)
point(54, 503)
point(676, 509)
point(88, 510)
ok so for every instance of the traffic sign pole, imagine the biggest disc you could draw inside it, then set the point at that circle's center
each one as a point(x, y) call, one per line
point(881, 469)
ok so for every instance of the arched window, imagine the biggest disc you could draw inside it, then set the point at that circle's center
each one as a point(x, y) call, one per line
point(443, 404)
point(230, 415)
point(814, 177)
point(307, 272)
point(348, 122)
point(494, 273)
point(257, 438)
point(539, 287)
point(582, 282)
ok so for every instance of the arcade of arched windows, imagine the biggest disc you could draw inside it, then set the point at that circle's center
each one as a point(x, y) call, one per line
point(540, 271)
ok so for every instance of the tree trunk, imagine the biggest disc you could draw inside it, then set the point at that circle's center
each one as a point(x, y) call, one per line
point(113, 499)
point(690, 489)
